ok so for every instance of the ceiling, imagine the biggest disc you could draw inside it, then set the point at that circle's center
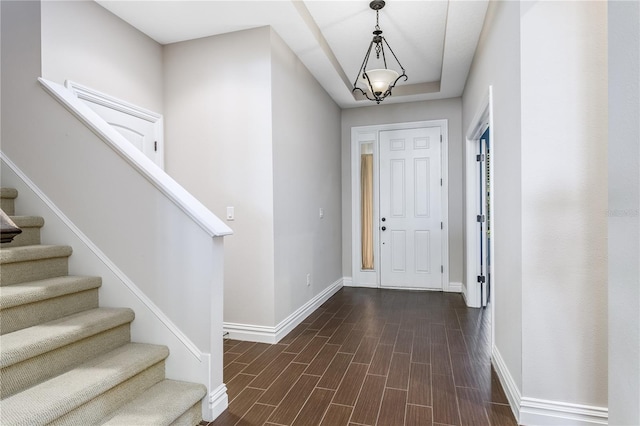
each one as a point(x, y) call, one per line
point(435, 40)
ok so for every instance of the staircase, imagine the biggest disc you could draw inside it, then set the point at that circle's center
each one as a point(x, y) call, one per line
point(66, 361)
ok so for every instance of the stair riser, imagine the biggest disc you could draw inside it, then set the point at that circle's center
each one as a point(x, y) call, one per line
point(20, 272)
point(30, 236)
point(94, 411)
point(8, 206)
point(30, 314)
point(191, 417)
point(23, 375)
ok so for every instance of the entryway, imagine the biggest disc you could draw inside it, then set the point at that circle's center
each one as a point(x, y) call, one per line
point(399, 205)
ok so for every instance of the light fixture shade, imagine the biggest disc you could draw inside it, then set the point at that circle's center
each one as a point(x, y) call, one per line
point(380, 80)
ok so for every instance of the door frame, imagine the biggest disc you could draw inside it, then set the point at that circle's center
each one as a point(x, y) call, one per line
point(370, 134)
point(480, 122)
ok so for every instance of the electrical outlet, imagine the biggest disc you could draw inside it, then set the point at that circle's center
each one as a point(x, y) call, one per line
point(308, 280)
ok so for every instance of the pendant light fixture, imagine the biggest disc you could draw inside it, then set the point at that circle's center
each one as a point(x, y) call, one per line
point(378, 82)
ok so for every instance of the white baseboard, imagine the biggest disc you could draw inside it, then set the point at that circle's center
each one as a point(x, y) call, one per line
point(218, 401)
point(506, 380)
point(534, 411)
point(348, 282)
point(265, 334)
point(450, 288)
point(249, 332)
point(544, 412)
point(453, 288)
point(362, 285)
point(464, 294)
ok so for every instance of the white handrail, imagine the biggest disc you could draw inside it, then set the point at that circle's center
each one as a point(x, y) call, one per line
point(147, 168)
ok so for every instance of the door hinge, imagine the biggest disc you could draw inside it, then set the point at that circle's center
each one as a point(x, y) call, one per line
point(155, 146)
point(481, 278)
point(440, 181)
point(441, 225)
point(441, 269)
point(480, 218)
point(480, 157)
point(441, 138)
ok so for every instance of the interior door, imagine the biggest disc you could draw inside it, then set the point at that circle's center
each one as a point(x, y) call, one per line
point(483, 218)
point(142, 133)
point(410, 208)
point(141, 127)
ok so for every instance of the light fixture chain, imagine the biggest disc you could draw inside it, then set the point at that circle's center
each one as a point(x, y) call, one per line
point(378, 44)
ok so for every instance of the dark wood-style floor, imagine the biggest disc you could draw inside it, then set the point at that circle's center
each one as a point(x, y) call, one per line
point(371, 357)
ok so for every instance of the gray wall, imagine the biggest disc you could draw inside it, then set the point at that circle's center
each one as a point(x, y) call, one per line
point(497, 63)
point(547, 64)
point(266, 142)
point(624, 204)
point(449, 109)
point(306, 177)
point(219, 147)
point(85, 43)
point(564, 199)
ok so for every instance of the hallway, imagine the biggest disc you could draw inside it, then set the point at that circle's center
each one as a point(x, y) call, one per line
point(368, 357)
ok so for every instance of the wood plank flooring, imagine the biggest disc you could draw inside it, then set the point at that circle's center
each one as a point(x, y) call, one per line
point(370, 357)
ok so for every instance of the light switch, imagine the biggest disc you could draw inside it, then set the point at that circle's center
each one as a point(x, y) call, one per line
point(321, 212)
point(230, 213)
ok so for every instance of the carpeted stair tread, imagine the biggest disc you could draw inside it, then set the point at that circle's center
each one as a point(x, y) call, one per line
point(33, 341)
point(35, 291)
point(7, 197)
point(36, 252)
point(28, 221)
point(159, 405)
point(10, 193)
point(49, 400)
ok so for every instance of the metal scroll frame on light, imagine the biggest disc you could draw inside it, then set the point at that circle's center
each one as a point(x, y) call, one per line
point(377, 40)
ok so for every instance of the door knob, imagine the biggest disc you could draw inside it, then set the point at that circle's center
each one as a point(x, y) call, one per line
point(384, 228)
point(383, 219)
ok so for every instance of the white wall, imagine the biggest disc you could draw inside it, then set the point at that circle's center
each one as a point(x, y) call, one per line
point(624, 205)
point(497, 63)
point(306, 177)
point(564, 200)
point(85, 43)
point(372, 114)
point(218, 137)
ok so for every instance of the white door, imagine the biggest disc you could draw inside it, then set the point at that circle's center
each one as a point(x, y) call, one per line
point(141, 127)
point(410, 210)
point(142, 133)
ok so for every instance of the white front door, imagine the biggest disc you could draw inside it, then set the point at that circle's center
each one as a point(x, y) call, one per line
point(410, 208)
